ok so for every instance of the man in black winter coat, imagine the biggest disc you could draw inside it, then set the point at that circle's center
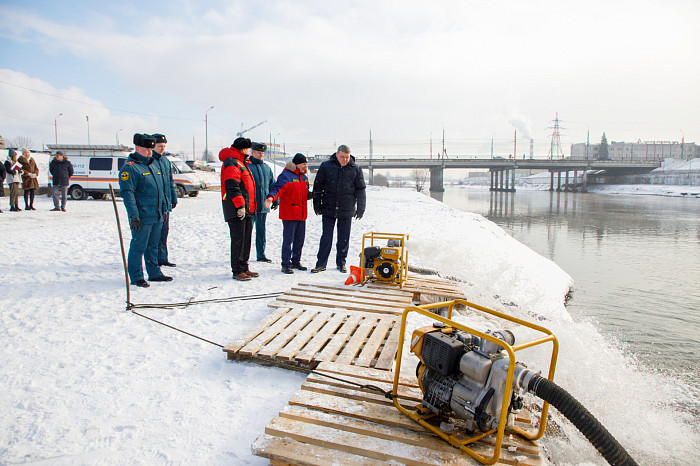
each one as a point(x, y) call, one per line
point(339, 194)
point(61, 170)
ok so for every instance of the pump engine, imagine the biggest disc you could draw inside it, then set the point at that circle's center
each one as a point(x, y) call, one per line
point(384, 263)
point(461, 373)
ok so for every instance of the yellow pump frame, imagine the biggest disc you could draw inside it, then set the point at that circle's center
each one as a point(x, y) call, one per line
point(403, 255)
point(460, 440)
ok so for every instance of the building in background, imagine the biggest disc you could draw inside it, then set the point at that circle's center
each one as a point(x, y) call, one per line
point(647, 150)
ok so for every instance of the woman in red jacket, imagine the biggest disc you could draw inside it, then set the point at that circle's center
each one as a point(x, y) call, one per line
point(292, 190)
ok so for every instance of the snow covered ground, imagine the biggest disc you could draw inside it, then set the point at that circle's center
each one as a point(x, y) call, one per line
point(83, 381)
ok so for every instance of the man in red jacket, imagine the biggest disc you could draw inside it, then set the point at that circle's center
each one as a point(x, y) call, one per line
point(292, 189)
point(238, 201)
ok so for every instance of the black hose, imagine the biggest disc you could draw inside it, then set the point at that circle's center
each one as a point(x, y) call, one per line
point(584, 421)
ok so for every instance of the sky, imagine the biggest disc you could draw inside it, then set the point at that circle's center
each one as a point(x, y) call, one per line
point(315, 74)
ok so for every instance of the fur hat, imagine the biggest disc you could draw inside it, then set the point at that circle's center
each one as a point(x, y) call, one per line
point(241, 143)
point(12, 152)
point(144, 140)
point(59, 152)
point(259, 146)
point(299, 158)
point(159, 137)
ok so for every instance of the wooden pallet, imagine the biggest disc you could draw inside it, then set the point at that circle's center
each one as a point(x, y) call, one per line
point(334, 422)
point(426, 289)
point(305, 336)
point(382, 300)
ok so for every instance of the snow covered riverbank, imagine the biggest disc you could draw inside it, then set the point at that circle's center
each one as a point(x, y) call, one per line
point(83, 381)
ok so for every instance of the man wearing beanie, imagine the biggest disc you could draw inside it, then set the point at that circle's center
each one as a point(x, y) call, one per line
point(141, 188)
point(262, 174)
point(339, 194)
point(238, 202)
point(292, 189)
point(170, 193)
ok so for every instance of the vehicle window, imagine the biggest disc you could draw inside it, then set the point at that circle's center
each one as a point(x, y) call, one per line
point(182, 166)
point(101, 163)
point(120, 163)
point(173, 169)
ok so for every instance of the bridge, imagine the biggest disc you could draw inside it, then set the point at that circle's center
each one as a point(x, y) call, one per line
point(503, 170)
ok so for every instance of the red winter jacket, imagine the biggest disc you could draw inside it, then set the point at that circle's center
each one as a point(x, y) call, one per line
point(237, 183)
point(292, 189)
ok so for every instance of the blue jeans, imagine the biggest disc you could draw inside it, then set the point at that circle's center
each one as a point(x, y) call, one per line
point(163, 244)
point(260, 235)
point(293, 234)
point(342, 244)
point(144, 247)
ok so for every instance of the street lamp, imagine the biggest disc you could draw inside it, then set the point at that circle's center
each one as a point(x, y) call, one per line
point(55, 126)
point(206, 136)
point(117, 135)
point(88, 125)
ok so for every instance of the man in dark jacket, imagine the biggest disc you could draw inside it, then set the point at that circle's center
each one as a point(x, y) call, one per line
point(238, 202)
point(292, 189)
point(2, 180)
point(61, 170)
point(170, 193)
point(141, 188)
point(339, 194)
point(263, 182)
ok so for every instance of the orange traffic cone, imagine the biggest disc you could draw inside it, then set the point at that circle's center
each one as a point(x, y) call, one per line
point(356, 275)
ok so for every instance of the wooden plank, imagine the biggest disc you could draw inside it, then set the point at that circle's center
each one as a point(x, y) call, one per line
point(368, 353)
point(254, 331)
point(320, 339)
point(355, 393)
point(401, 299)
point(258, 342)
point(272, 347)
point(360, 289)
point(360, 444)
point(339, 298)
point(339, 339)
point(405, 379)
point(388, 354)
point(301, 338)
point(289, 451)
point(386, 415)
point(290, 300)
point(347, 355)
point(414, 395)
point(422, 438)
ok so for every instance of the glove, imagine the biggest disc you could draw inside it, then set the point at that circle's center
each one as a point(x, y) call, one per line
point(241, 213)
point(275, 205)
point(358, 215)
point(135, 224)
point(174, 205)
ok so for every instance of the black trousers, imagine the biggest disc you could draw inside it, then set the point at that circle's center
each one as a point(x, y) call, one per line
point(241, 233)
point(28, 198)
point(343, 241)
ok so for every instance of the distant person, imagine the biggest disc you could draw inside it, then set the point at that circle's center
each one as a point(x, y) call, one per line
point(292, 190)
point(61, 170)
point(238, 203)
point(2, 181)
point(262, 174)
point(170, 193)
point(13, 176)
point(141, 188)
point(339, 194)
point(30, 183)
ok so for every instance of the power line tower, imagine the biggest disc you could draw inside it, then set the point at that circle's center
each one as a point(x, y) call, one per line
point(555, 150)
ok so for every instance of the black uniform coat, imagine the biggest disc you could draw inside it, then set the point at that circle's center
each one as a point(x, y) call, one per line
point(339, 191)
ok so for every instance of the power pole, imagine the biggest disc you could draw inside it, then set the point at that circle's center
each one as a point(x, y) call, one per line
point(555, 146)
point(515, 142)
point(371, 172)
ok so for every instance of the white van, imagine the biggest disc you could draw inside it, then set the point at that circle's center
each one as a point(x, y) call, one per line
point(95, 167)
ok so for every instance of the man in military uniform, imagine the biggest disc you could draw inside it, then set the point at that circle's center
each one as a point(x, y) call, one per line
point(141, 188)
point(264, 180)
point(166, 171)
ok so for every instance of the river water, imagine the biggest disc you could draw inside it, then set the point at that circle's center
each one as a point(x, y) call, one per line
point(635, 261)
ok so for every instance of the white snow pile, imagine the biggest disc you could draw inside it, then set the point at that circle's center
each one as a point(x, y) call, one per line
point(84, 381)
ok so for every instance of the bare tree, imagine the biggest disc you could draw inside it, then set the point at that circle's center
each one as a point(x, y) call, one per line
point(19, 142)
point(380, 180)
point(420, 176)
